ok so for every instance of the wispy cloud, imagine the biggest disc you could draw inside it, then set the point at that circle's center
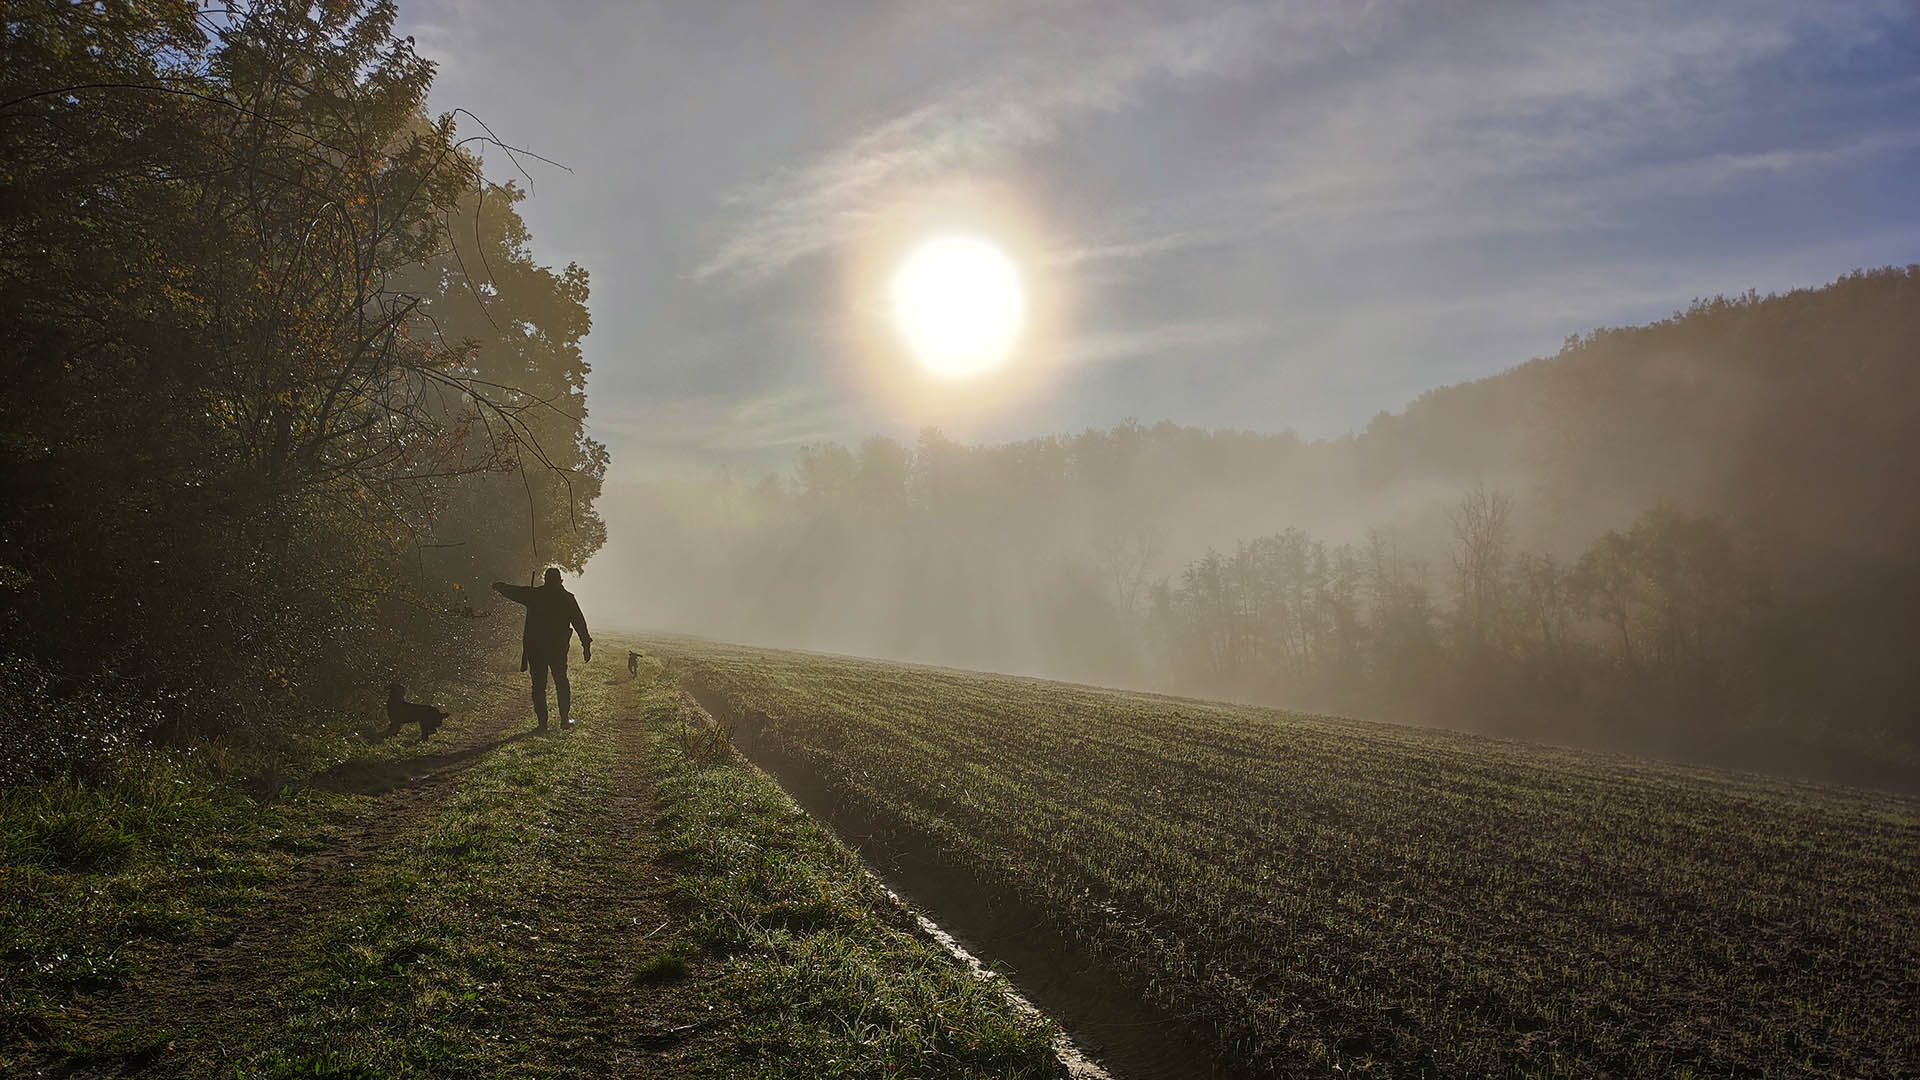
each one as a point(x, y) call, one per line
point(1163, 339)
point(1028, 100)
point(1518, 133)
point(726, 422)
point(1544, 127)
point(1714, 171)
point(1126, 248)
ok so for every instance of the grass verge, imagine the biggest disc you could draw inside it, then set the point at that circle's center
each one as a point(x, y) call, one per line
point(122, 888)
point(823, 974)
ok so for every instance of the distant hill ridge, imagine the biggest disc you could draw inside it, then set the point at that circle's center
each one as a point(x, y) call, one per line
point(1788, 413)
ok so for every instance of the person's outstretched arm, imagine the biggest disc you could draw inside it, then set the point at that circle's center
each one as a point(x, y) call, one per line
point(580, 625)
point(519, 594)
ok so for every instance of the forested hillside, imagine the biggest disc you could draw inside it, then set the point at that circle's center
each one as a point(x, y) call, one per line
point(284, 378)
point(1695, 537)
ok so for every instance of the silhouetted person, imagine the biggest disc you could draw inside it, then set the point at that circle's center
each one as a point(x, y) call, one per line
point(552, 617)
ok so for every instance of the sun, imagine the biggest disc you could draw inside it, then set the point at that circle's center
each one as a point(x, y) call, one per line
point(960, 303)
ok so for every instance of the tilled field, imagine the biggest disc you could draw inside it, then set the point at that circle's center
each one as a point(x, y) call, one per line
point(1312, 893)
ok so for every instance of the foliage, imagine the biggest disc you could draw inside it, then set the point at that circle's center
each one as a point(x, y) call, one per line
point(1649, 634)
point(235, 423)
point(1378, 900)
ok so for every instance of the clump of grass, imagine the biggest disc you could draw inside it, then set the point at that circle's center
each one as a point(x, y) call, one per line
point(668, 965)
point(704, 741)
point(57, 834)
point(139, 802)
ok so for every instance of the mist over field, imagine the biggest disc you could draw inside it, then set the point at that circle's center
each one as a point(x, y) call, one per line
point(1688, 538)
point(1278, 270)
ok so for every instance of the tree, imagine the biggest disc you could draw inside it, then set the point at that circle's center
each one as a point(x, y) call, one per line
point(1400, 613)
point(1677, 591)
point(1126, 562)
point(1541, 588)
point(881, 476)
point(233, 422)
point(1481, 539)
point(1605, 585)
point(520, 325)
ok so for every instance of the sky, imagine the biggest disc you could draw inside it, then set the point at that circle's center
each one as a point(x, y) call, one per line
point(1258, 216)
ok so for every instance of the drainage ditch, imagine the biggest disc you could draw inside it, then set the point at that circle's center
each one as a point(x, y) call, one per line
point(1111, 1032)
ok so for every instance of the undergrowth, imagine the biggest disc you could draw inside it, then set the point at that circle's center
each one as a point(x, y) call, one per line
point(106, 864)
point(95, 871)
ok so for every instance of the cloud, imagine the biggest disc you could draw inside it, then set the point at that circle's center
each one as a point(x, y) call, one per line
point(725, 422)
point(1028, 100)
point(1162, 339)
point(1517, 127)
point(1717, 171)
point(1122, 249)
point(1543, 124)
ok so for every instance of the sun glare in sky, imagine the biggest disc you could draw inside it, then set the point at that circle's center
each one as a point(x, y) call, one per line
point(960, 303)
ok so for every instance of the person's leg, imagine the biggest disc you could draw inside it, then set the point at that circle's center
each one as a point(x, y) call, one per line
point(538, 664)
point(562, 690)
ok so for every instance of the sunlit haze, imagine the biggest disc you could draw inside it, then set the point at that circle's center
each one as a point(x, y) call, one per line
point(1264, 217)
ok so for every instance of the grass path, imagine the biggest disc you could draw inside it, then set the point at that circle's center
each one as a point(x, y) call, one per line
point(623, 899)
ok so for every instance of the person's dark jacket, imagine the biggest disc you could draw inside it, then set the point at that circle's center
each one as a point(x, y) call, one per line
point(552, 617)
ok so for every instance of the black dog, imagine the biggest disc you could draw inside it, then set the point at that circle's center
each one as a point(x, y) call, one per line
point(401, 712)
point(633, 663)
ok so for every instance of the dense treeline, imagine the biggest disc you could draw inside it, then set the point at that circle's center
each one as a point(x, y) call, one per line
point(282, 375)
point(1695, 537)
point(1648, 640)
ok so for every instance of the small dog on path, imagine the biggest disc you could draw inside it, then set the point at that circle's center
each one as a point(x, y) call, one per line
point(401, 712)
point(633, 663)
